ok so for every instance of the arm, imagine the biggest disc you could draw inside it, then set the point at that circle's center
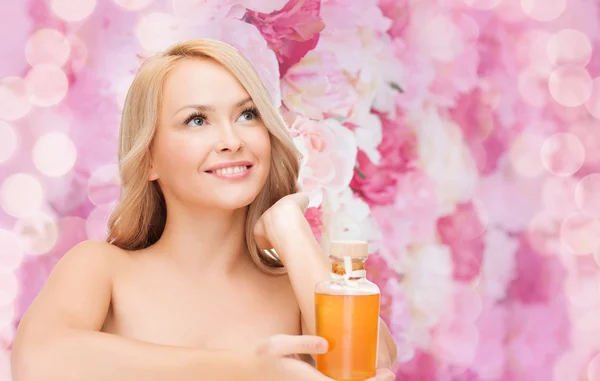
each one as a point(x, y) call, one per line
point(59, 339)
point(307, 265)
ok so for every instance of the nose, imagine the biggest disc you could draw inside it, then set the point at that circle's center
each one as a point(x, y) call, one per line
point(228, 140)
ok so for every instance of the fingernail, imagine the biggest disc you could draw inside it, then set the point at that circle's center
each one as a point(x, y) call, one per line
point(322, 346)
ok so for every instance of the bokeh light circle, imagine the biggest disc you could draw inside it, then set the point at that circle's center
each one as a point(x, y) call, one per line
point(587, 194)
point(588, 133)
point(544, 10)
point(156, 31)
point(73, 10)
point(532, 51)
point(558, 195)
point(8, 141)
point(133, 5)
point(569, 47)
point(46, 85)
point(39, 233)
point(562, 154)
point(54, 154)
point(523, 154)
point(21, 195)
point(47, 46)
point(14, 99)
point(104, 185)
point(571, 86)
point(593, 103)
point(11, 248)
point(443, 40)
point(580, 233)
point(582, 291)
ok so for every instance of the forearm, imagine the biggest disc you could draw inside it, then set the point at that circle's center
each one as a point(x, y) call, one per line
point(307, 265)
point(94, 356)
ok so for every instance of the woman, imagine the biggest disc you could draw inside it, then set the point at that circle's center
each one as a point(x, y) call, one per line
point(182, 290)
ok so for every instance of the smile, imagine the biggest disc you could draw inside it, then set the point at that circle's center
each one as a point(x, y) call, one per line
point(236, 172)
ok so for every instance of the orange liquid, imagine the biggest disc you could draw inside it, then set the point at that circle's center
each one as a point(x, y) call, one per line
point(350, 323)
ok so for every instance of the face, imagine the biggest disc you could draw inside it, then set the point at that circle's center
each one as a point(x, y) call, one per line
point(211, 148)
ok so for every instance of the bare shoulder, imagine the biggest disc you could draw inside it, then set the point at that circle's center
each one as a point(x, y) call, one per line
point(77, 293)
point(96, 254)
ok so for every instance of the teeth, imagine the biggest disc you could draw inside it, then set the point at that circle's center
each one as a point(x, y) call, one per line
point(230, 171)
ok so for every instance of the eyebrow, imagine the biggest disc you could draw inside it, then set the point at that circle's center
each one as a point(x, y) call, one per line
point(209, 108)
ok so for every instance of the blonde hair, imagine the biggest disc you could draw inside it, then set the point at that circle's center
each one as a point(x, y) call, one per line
point(139, 217)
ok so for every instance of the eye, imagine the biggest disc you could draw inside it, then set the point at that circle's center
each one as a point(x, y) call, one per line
point(249, 114)
point(195, 120)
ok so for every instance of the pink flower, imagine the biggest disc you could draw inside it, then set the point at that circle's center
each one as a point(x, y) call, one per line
point(377, 183)
point(317, 88)
point(329, 155)
point(490, 358)
point(290, 32)
point(315, 220)
point(399, 12)
point(411, 218)
point(462, 231)
point(476, 117)
point(422, 367)
point(538, 277)
point(380, 273)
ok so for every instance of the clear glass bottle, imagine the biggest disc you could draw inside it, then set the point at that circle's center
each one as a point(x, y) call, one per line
point(347, 315)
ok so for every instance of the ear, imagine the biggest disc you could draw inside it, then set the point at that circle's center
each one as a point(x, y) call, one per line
point(152, 175)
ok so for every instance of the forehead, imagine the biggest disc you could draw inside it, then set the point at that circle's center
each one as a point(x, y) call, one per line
point(201, 81)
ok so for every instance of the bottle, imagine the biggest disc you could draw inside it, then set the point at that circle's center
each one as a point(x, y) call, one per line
point(347, 315)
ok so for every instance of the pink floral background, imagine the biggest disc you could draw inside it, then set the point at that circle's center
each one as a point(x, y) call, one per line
point(460, 137)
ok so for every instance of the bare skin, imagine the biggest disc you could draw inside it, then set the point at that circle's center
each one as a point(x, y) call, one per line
point(193, 305)
point(156, 299)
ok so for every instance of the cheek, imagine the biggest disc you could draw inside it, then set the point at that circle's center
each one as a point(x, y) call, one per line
point(177, 153)
point(261, 146)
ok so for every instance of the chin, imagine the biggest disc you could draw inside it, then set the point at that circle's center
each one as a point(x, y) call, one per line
point(234, 200)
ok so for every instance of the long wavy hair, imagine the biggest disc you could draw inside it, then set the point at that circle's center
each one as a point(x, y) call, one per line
point(139, 217)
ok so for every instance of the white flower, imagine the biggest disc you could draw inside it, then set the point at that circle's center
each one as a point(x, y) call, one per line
point(348, 217)
point(446, 159)
point(498, 268)
point(428, 287)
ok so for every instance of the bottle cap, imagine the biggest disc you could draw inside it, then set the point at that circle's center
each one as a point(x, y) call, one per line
point(352, 249)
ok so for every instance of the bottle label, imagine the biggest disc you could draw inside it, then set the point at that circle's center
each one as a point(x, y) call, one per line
point(348, 272)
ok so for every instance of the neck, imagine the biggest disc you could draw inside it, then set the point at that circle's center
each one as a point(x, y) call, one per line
point(205, 239)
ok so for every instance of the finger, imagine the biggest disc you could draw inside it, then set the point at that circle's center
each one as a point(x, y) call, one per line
point(383, 375)
point(285, 345)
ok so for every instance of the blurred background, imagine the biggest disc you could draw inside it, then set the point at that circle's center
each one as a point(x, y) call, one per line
point(460, 137)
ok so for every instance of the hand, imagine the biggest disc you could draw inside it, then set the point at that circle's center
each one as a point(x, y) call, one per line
point(274, 358)
point(283, 214)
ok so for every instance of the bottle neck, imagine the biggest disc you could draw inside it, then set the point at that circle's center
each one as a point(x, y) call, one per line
point(348, 268)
